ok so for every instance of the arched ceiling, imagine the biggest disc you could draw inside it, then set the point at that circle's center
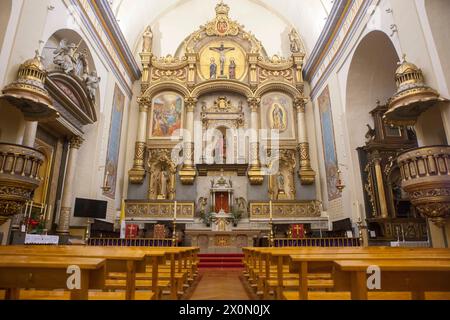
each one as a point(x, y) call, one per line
point(173, 20)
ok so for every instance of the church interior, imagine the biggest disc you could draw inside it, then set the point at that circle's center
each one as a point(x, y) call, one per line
point(224, 150)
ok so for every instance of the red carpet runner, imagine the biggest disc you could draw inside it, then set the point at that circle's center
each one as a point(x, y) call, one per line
point(220, 261)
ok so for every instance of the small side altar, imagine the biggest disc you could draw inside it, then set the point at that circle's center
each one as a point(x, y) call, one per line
point(222, 241)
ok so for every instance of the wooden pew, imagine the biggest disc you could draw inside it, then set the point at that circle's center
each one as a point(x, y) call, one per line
point(116, 260)
point(306, 263)
point(416, 276)
point(257, 259)
point(48, 272)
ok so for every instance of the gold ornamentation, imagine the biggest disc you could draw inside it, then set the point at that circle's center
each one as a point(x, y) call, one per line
point(425, 177)
point(76, 142)
point(28, 92)
point(19, 177)
point(413, 96)
point(159, 210)
point(306, 173)
point(286, 210)
point(222, 25)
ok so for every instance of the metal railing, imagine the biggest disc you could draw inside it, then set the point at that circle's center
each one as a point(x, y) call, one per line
point(116, 242)
point(318, 242)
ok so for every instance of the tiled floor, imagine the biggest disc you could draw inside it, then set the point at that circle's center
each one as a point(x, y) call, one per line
point(220, 284)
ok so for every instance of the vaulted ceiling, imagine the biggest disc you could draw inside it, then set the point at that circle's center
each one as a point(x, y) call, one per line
point(173, 20)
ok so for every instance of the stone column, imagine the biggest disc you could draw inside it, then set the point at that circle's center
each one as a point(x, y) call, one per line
point(306, 173)
point(137, 173)
point(29, 136)
point(381, 189)
point(255, 173)
point(67, 197)
point(188, 172)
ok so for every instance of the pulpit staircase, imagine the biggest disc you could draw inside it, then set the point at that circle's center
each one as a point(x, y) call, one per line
point(221, 261)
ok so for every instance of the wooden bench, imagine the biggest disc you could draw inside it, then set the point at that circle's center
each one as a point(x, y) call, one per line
point(46, 272)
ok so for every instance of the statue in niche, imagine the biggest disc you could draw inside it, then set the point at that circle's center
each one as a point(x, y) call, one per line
point(281, 182)
point(148, 40)
point(222, 50)
point(241, 205)
point(163, 181)
point(202, 203)
point(232, 69)
point(213, 69)
point(294, 38)
point(92, 81)
point(65, 56)
point(278, 117)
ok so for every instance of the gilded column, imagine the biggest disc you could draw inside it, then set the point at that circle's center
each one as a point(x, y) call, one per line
point(137, 173)
point(188, 172)
point(255, 173)
point(306, 173)
point(380, 188)
point(67, 197)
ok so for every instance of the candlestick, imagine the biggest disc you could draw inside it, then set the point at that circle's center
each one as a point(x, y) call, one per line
point(271, 210)
point(49, 212)
point(26, 208)
point(175, 211)
point(31, 209)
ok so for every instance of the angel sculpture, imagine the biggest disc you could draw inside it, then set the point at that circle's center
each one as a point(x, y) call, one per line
point(92, 81)
point(370, 135)
point(65, 56)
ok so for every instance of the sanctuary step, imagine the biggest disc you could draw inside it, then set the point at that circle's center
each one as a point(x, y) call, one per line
point(220, 261)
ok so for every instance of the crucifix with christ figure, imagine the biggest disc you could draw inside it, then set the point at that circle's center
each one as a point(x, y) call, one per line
point(222, 50)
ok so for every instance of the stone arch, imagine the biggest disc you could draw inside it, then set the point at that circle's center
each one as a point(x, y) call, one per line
point(5, 14)
point(370, 78)
point(160, 87)
point(286, 88)
point(221, 85)
point(89, 108)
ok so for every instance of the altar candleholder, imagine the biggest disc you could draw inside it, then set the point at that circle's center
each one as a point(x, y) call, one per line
point(174, 234)
point(271, 235)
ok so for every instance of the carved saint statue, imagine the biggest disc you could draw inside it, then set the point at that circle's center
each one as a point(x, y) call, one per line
point(65, 56)
point(202, 202)
point(222, 50)
point(213, 69)
point(92, 81)
point(148, 40)
point(281, 183)
point(296, 46)
point(163, 181)
point(232, 71)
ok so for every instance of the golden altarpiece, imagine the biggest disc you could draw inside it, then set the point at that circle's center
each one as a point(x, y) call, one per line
point(202, 114)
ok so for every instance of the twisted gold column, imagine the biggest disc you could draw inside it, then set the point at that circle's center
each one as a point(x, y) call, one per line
point(381, 190)
point(255, 173)
point(137, 173)
point(306, 173)
point(67, 198)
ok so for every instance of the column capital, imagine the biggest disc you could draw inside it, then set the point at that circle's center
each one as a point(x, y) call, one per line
point(190, 104)
point(144, 103)
point(300, 104)
point(254, 103)
point(75, 142)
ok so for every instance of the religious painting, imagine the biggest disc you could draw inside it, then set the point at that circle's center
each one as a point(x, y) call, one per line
point(222, 60)
point(112, 155)
point(167, 115)
point(277, 108)
point(329, 144)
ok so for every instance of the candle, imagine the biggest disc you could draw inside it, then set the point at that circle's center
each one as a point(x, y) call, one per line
point(26, 208)
point(49, 212)
point(31, 208)
point(175, 211)
point(271, 210)
point(45, 213)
